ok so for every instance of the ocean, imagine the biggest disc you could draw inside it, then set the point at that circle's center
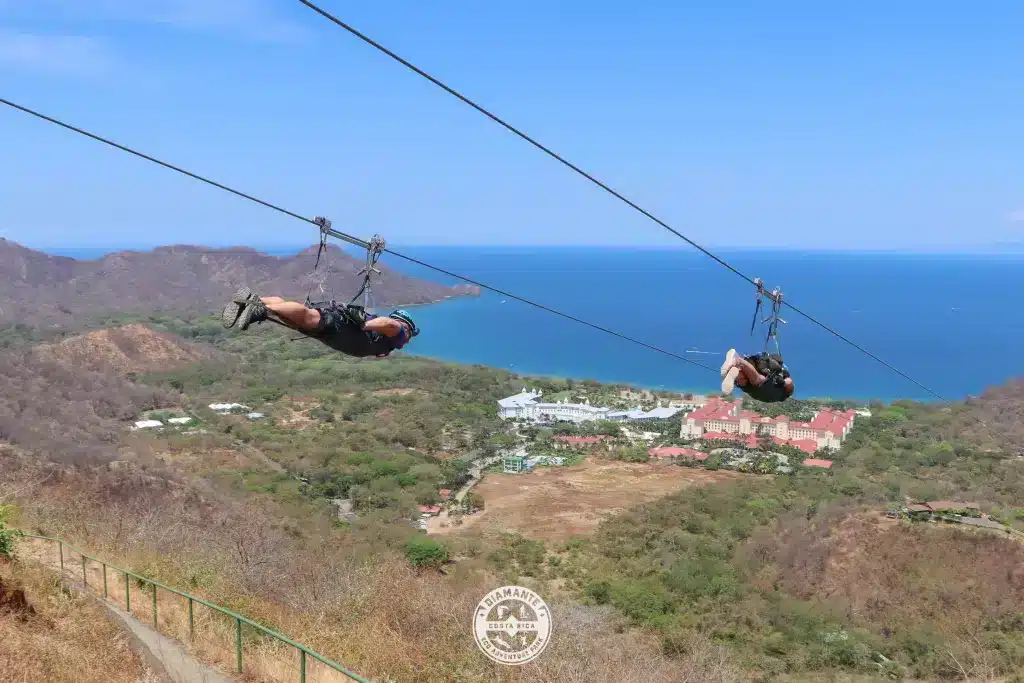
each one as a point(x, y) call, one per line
point(949, 321)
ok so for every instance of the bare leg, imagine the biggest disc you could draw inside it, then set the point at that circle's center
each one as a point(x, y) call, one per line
point(293, 313)
point(748, 373)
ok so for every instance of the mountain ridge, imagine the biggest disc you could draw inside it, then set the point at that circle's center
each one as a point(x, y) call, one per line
point(37, 288)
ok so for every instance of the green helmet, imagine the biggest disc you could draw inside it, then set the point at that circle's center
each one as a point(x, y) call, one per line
point(404, 317)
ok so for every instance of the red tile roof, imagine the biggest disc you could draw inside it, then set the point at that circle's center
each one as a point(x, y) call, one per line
point(814, 462)
point(430, 509)
point(747, 439)
point(444, 493)
point(806, 445)
point(825, 421)
point(674, 452)
point(939, 505)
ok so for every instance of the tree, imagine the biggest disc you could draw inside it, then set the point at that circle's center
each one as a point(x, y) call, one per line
point(474, 501)
point(425, 552)
point(633, 454)
point(8, 537)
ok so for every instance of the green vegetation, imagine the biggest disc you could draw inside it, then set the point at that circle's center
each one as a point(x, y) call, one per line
point(423, 552)
point(8, 536)
point(753, 562)
point(790, 576)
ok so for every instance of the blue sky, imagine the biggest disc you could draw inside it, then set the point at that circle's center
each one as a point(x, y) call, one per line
point(805, 124)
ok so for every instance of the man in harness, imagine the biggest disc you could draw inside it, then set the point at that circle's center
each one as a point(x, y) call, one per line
point(763, 376)
point(343, 327)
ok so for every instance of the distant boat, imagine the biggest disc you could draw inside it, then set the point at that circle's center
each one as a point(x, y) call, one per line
point(502, 301)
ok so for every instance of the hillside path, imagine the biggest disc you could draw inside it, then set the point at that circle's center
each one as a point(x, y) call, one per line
point(162, 654)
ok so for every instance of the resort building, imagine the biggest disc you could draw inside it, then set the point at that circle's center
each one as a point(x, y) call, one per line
point(726, 420)
point(527, 405)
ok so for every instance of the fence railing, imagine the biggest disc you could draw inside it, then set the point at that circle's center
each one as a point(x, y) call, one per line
point(304, 652)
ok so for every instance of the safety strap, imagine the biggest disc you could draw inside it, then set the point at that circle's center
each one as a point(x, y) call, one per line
point(373, 251)
point(760, 296)
point(325, 225)
point(772, 320)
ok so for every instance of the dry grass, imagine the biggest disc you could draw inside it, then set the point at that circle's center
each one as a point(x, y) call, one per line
point(560, 502)
point(67, 640)
point(404, 626)
point(369, 611)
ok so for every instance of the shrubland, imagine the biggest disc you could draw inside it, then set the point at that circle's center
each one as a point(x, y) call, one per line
point(758, 578)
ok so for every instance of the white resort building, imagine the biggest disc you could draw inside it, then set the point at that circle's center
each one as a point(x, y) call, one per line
point(527, 405)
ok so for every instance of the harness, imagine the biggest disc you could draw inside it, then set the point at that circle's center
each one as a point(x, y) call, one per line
point(353, 313)
point(772, 319)
point(769, 364)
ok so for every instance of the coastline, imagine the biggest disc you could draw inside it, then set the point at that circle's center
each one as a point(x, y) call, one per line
point(669, 389)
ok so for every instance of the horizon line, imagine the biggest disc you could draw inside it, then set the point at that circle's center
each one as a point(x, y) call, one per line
point(994, 249)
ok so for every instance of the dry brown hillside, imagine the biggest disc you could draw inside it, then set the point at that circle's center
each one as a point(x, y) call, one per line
point(48, 634)
point(70, 401)
point(132, 348)
point(884, 568)
point(40, 289)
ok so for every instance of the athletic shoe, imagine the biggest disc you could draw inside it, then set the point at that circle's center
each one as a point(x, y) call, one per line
point(234, 308)
point(729, 383)
point(730, 361)
point(255, 312)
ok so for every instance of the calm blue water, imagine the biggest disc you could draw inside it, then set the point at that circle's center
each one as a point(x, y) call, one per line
point(950, 321)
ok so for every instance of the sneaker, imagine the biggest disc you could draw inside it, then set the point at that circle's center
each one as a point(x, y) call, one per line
point(729, 382)
point(730, 361)
point(234, 308)
point(255, 312)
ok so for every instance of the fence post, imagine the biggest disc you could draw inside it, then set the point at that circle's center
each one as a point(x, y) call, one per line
point(127, 595)
point(155, 624)
point(60, 549)
point(238, 643)
point(191, 622)
point(105, 595)
point(85, 578)
point(302, 666)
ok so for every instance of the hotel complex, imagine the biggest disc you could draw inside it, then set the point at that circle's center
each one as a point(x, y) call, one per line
point(725, 420)
point(713, 419)
point(527, 405)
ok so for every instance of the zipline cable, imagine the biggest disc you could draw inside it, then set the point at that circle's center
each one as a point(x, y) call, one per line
point(343, 236)
point(565, 162)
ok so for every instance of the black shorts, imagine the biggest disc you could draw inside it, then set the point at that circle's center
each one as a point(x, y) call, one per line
point(336, 319)
point(341, 328)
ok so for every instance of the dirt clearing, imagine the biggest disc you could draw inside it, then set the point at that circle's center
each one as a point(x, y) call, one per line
point(559, 502)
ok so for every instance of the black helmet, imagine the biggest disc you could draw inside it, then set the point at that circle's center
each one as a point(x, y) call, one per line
point(404, 317)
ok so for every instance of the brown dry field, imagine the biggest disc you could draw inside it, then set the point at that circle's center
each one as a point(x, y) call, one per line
point(555, 503)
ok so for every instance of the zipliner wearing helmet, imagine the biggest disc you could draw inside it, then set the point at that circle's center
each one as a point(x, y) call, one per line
point(763, 376)
point(345, 328)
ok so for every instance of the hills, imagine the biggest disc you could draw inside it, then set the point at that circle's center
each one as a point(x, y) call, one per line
point(122, 350)
point(40, 289)
point(788, 578)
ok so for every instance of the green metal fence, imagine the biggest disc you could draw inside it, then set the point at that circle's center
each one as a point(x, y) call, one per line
point(304, 652)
